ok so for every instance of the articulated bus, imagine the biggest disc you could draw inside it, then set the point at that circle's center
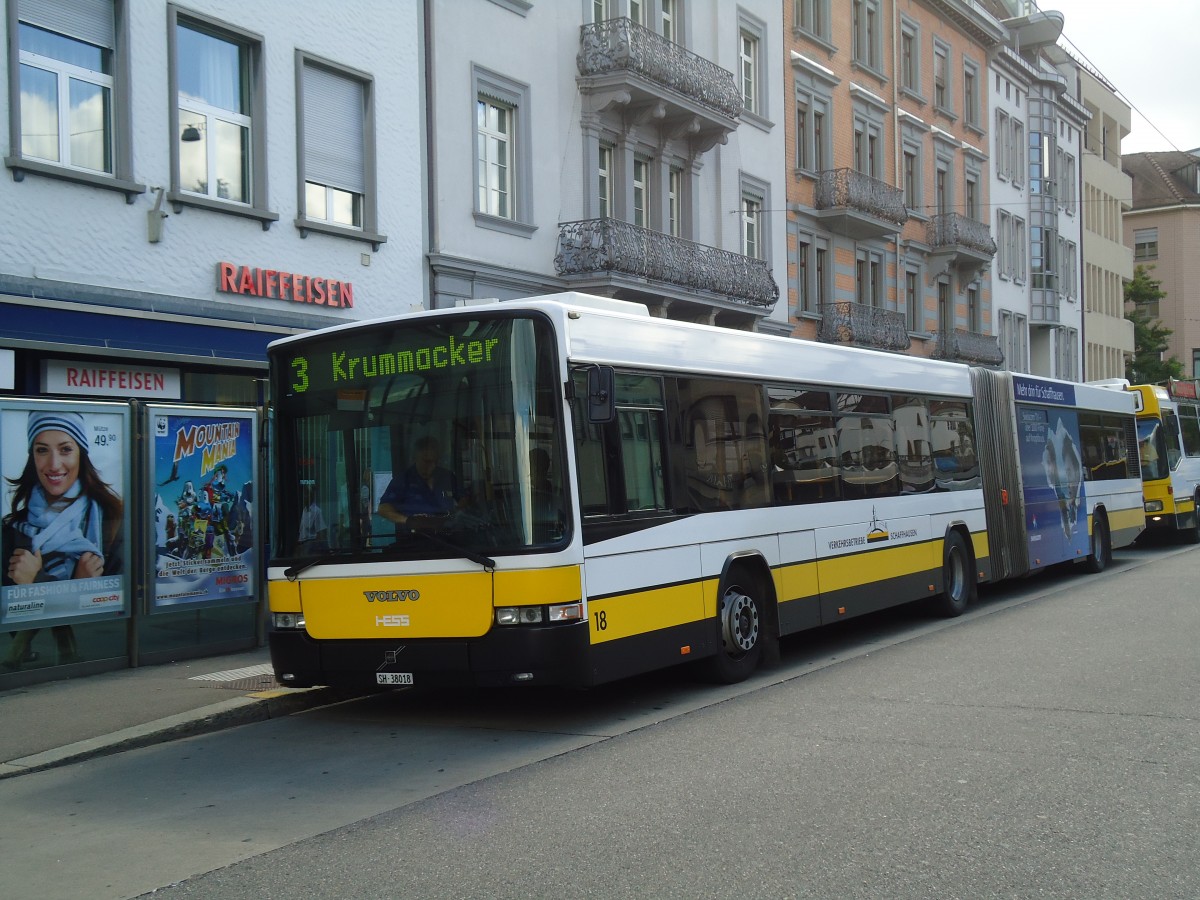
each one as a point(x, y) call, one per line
point(1168, 422)
point(625, 492)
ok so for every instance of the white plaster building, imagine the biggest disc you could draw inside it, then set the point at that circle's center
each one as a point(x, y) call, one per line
point(1037, 129)
point(183, 183)
point(148, 142)
point(632, 148)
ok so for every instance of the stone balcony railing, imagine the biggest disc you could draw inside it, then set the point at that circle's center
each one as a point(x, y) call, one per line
point(956, 230)
point(848, 188)
point(843, 322)
point(964, 346)
point(597, 246)
point(622, 45)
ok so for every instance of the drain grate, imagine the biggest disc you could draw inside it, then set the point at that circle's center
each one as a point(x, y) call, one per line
point(249, 678)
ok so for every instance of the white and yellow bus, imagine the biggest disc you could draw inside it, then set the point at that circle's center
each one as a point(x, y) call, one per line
point(701, 492)
point(1168, 421)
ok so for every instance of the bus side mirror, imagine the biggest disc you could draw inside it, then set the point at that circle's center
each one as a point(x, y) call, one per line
point(601, 387)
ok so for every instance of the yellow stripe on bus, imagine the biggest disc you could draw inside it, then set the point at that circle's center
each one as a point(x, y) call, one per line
point(1122, 519)
point(853, 571)
point(795, 582)
point(639, 612)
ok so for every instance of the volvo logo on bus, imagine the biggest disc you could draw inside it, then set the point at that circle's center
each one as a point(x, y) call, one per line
point(391, 596)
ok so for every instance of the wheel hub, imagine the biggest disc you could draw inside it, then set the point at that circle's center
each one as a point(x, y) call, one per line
point(739, 621)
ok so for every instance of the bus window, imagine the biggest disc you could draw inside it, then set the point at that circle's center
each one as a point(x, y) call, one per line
point(910, 419)
point(1171, 437)
point(621, 465)
point(866, 446)
point(725, 444)
point(802, 444)
point(1153, 449)
point(1189, 426)
point(1102, 443)
point(952, 444)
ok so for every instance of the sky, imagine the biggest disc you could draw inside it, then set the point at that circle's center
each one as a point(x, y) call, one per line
point(1148, 51)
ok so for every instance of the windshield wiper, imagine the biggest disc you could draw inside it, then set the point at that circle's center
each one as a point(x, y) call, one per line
point(486, 561)
point(291, 573)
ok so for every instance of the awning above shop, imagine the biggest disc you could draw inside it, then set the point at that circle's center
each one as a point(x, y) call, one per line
point(140, 334)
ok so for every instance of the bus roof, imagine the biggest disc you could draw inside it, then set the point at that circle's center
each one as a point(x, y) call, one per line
point(606, 331)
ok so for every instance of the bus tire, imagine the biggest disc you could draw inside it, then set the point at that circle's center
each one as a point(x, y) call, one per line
point(1191, 534)
point(1101, 554)
point(958, 578)
point(741, 630)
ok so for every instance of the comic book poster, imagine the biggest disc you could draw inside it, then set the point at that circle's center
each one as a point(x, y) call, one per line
point(64, 545)
point(202, 491)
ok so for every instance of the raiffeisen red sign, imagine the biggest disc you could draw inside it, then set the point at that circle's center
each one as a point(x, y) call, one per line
point(292, 287)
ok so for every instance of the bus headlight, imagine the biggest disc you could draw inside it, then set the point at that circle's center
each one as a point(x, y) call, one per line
point(1153, 506)
point(519, 615)
point(288, 621)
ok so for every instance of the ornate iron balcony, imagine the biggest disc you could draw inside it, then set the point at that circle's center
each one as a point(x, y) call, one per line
point(843, 322)
point(954, 229)
point(837, 188)
point(969, 347)
point(622, 44)
point(594, 246)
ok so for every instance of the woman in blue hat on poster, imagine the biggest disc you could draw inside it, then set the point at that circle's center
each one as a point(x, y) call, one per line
point(65, 521)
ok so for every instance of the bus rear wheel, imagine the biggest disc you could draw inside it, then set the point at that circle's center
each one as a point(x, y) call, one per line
point(740, 630)
point(958, 578)
point(1101, 554)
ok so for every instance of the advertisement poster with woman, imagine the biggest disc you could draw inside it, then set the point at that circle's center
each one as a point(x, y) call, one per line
point(64, 477)
point(202, 490)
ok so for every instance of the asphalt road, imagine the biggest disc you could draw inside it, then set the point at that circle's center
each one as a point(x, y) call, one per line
point(1044, 745)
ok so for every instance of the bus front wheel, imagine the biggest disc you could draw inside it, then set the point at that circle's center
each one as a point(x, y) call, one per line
point(741, 632)
point(1191, 534)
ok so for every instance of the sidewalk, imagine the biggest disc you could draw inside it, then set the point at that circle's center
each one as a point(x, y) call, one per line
point(60, 722)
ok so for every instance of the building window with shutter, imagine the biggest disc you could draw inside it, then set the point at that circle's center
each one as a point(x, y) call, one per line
point(1145, 243)
point(335, 121)
point(334, 139)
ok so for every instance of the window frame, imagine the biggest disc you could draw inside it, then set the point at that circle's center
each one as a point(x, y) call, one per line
point(972, 89)
point(910, 82)
point(943, 94)
point(870, 277)
point(368, 230)
point(755, 32)
point(256, 206)
point(866, 45)
point(515, 95)
point(811, 18)
point(756, 191)
point(120, 124)
point(1145, 244)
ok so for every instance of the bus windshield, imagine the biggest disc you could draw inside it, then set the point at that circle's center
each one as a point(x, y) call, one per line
point(418, 439)
point(1152, 446)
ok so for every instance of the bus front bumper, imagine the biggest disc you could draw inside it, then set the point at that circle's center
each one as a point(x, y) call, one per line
point(508, 656)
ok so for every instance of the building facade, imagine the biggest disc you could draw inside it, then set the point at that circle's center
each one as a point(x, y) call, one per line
point(184, 184)
point(1107, 252)
point(1163, 227)
point(629, 148)
point(888, 245)
point(1037, 146)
